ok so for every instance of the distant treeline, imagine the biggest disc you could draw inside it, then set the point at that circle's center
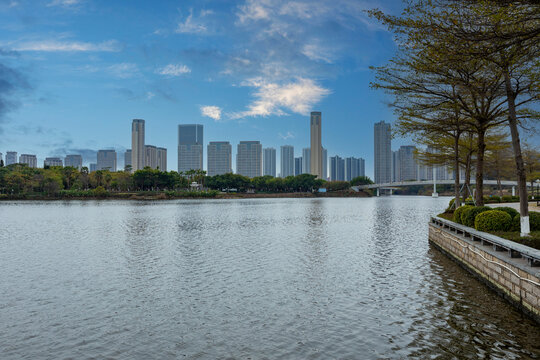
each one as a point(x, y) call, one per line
point(50, 181)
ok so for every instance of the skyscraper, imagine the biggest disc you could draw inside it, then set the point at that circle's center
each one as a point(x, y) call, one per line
point(408, 167)
point(354, 167)
point(316, 163)
point(287, 160)
point(325, 163)
point(127, 159)
point(190, 147)
point(106, 160)
point(73, 161)
point(249, 159)
point(2, 158)
point(219, 158)
point(137, 145)
point(11, 157)
point(269, 161)
point(337, 169)
point(383, 153)
point(93, 167)
point(28, 159)
point(53, 161)
point(395, 166)
point(150, 156)
point(298, 166)
point(306, 161)
point(162, 159)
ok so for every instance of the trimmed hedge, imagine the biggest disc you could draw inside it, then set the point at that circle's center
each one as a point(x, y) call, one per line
point(493, 220)
point(510, 211)
point(459, 211)
point(534, 221)
point(469, 215)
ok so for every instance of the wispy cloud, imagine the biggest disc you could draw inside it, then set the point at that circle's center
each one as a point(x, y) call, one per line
point(213, 112)
point(191, 25)
point(65, 3)
point(68, 46)
point(272, 98)
point(174, 70)
point(123, 70)
point(288, 135)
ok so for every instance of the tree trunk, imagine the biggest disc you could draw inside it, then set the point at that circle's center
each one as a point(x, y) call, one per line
point(520, 168)
point(467, 184)
point(479, 196)
point(456, 166)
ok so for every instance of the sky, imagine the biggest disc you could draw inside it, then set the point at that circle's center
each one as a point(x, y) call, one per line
point(74, 73)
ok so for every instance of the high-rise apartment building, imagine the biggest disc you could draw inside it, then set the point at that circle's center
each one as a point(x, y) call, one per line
point(337, 169)
point(269, 161)
point(325, 163)
point(162, 159)
point(249, 159)
point(316, 163)
point(306, 161)
point(28, 159)
point(137, 145)
point(298, 166)
point(408, 167)
point(219, 159)
point(190, 147)
point(2, 158)
point(383, 153)
point(127, 159)
point(395, 166)
point(150, 156)
point(93, 167)
point(106, 160)
point(11, 157)
point(287, 160)
point(73, 161)
point(53, 161)
point(354, 167)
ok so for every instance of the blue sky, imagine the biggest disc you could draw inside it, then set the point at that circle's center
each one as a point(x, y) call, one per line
point(76, 72)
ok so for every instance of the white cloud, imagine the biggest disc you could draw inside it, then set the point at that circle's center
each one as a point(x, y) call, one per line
point(174, 70)
point(213, 112)
point(70, 46)
point(64, 2)
point(288, 135)
point(272, 98)
point(254, 10)
point(316, 52)
point(150, 95)
point(191, 25)
point(123, 70)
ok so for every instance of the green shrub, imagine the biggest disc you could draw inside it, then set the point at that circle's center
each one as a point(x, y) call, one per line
point(459, 211)
point(510, 211)
point(493, 220)
point(534, 221)
point(468, 215)
point(506, 198)
point(492, 199)
point(100, 192)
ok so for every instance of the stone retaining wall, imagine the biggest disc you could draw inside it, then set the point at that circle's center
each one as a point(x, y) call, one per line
point(512, 278)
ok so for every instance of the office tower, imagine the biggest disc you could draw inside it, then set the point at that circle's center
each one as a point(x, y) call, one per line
point(249, 159)
point(162, 159)
point(219, 160)
point(306, 161)
point(353, 168)
point(28, 159)
point(93, 167)
point(53, 161)
point(190, 147)
point(325, 163)
point(408, 168)
point(287, 160)
point(383, 153)
point(298, 166)
point(106, 160)
point(395, 166)
point(269, 161)
point(150, 156)
point(337, 169)
point(73, 161)
point(127, 159)
point(316, 162)
point(11, 157)
point(137, 145)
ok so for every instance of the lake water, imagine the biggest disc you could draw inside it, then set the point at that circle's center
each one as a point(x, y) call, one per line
point(256, 278)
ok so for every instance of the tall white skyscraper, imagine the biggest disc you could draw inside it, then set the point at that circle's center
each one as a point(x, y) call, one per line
point(138, 154)
point(28, 159)
point(249, 159)
point(269, 161)
point(383, 153)
point(306, 161)
point(316, 163)
point(219, 160)
point(190, 147)
point(73, 161)
point(287, 160)
point(106, 160)
point(11, 158)
point(162, 159)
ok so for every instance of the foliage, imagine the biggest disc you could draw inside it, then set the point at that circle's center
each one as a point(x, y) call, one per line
point(493, 220)
point(337, 185)
point(510, 211)
point(534, 221)
point(469, 215)
point(459, 212)
point(361, 180)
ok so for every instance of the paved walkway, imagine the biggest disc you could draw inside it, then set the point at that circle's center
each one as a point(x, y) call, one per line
point(532, 206)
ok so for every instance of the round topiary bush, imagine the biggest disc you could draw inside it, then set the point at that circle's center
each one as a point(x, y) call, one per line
point(459, 211)
point(468, 216)
point(534, 221)
point(510, 211)
point(493, 220)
